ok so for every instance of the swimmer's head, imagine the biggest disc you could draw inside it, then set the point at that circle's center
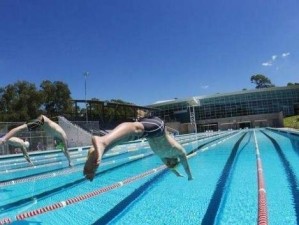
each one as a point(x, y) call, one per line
point(27, 144)
point(142, 113)
point(172, 162)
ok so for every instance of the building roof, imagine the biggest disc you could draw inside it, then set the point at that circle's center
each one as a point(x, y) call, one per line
point(195, 100)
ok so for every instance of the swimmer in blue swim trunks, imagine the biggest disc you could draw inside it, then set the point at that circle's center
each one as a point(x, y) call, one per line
point(49, 126)
point(151, 128)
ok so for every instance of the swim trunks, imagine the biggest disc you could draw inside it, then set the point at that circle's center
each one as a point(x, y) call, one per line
point(33, 125)
point(153, 126)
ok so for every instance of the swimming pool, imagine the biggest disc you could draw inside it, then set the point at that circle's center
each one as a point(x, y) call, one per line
point(133, 187)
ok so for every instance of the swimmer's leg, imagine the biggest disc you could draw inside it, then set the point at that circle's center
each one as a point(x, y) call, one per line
point(26, 156)
point(92, 163)
point(66, 152)
point(122, 133)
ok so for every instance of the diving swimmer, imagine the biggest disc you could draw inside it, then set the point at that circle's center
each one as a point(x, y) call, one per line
point(49, 126)
point(149, 127)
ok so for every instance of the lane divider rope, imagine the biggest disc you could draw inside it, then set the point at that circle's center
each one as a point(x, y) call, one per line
point(54, 161)
point(262, 201)
point(80, 198)
point(68, 171)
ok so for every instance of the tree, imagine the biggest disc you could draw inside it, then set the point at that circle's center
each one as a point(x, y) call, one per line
point(19, 102)
point(292, 84)
point(56, 97)
point(261, 81)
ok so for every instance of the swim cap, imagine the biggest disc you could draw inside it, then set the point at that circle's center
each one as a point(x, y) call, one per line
point(26, 144)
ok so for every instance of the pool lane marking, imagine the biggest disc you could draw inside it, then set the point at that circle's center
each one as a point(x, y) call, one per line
point(219, 142)
point(262, 200)
point(72, 170)
point(53, 157)
point(91, 194)
point(77, 156)
point(68, 171)
point(81, 157)
point(82, 197)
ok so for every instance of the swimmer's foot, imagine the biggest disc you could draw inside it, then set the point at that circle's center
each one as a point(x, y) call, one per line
point(91, 164)
point(29, 160)
point(71, 164)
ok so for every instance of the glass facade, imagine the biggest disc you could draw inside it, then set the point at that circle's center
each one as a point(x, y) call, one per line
point(264, 101)
point(243, 103)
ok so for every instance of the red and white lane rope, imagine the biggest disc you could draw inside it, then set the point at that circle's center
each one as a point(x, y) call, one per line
point(80, 197)
point(58, 161)
point(88, 195)
point(262, 201)
point(70, 170)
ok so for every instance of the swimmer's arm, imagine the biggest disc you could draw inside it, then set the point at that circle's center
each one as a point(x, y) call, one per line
point(26, 155)
point(12, 133)
point(176, 172)
point(66, 152)
point(184, 161)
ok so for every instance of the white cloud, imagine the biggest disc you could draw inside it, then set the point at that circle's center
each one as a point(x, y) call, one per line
point(204, 86)
point(274, 58)
point(269, 63)
point(285, 54)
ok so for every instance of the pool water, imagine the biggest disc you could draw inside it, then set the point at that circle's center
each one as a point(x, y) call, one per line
point(133, 187)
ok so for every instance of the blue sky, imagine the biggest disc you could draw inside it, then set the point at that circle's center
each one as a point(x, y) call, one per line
point(142, 51)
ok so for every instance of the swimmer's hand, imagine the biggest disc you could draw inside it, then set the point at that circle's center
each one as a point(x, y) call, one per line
point(190, 178)
point(177, 173)
point(2, 141)
point(180, 175)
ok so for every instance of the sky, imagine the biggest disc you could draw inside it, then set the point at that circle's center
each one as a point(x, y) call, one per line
point(143, 51)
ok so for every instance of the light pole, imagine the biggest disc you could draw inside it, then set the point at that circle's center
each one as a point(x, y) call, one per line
point(86, 114)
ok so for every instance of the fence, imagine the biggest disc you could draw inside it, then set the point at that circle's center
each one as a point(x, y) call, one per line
point(39, 140)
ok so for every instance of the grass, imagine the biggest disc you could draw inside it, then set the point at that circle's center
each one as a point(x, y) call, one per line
point(291, 122)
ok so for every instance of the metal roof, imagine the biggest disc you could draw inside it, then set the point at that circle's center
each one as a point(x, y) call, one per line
point(195, 100)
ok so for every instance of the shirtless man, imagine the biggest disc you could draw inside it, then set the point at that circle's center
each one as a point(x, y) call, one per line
point(50, 127)
point(151, 128)
point(23, 145)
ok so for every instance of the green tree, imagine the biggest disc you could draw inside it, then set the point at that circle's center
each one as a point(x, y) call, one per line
point(261, 81)
point(20, 101)
point(96, 109)
point(292, 84)
point(56, 97)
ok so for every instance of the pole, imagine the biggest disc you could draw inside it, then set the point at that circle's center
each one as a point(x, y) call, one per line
point(86, 114)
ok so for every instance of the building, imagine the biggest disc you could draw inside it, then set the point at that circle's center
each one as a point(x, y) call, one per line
point(264, 107)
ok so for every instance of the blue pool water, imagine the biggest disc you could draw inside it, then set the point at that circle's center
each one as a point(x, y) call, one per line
point(131, 187)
